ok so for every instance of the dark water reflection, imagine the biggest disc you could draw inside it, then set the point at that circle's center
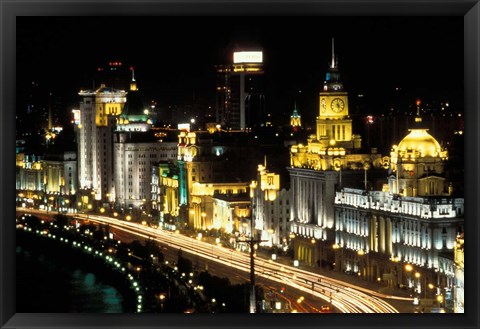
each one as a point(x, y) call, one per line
point(46, 284)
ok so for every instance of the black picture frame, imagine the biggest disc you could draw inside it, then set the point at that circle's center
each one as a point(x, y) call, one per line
point(470, 10)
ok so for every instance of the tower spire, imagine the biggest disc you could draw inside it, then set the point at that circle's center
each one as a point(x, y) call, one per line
point(333, 54)
point(418, 118)
point(133, 84)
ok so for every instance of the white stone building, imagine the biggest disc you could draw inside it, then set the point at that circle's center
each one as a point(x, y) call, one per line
point(98, 111)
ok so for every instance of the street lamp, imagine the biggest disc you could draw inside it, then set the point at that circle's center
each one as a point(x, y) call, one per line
point(408, 269)
point(162, 299)
point(67, 202)
point(89, 207)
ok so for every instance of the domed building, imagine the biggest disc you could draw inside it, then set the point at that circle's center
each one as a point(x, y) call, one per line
point(136, 151)
point(417, 165)
point(134, 117)
point(405, 231)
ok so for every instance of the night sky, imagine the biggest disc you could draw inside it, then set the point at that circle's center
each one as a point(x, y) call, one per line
point(174, 57)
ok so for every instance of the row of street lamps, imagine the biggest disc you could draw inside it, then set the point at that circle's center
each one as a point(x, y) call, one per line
point(439, 297)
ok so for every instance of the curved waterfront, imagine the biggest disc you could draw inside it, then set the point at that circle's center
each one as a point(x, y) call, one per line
point(46, 281)
point(66, 268)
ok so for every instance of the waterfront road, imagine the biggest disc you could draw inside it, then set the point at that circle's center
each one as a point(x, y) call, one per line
point(343, 296)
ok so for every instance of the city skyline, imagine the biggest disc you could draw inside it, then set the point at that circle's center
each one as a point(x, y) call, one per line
point(377, 57)
point(465, 43)
point(125, 169)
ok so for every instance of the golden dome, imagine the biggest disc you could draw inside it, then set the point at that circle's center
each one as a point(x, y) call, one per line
point(420, 140)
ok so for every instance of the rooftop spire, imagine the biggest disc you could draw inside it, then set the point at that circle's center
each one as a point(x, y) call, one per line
point(133, 73)
point(418, 118)
point(133, 84)
point(333, 65)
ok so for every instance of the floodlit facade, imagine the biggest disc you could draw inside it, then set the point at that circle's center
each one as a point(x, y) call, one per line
point(99, 110)
point(29, 173)
point(205, 196)
point(270, 208)
point(231, 214)
point(60, 173)
point(330, 159)
point(414, 220)
point(136, 150)
point(459, 286)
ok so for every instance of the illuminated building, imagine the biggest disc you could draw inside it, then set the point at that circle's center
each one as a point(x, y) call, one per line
point(270, 208)
point(60, 173)
point(417, 164)
point(413, 220)
point(459, 286)
point(330, 159)
point(231, 213)
point(136, 150)
point(165, 193)
point(295, 118)
point(240, 102)
point(205, 195)
point(54, 176)
point(29, 173)
point(135, 155)
point(134, 116)
point(99, 110)
point(207, 162)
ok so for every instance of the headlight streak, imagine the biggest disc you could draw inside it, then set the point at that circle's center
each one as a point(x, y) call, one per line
point(346, 297)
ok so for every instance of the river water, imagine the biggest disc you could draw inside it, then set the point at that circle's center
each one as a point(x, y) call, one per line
point(45, 283)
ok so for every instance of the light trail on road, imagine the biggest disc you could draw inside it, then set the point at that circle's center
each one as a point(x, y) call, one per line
point(345, 297)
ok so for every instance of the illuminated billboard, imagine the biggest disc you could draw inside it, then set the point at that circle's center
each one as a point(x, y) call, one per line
point(183, 126)
point(248, 57)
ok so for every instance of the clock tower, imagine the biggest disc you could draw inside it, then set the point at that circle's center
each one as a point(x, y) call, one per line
point(333, 122)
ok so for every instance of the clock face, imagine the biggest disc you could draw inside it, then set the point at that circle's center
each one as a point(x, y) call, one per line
point(337, 105)
point(323, 105)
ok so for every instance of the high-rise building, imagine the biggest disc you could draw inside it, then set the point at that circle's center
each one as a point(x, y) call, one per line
point(240, 98)
point(99, 110)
